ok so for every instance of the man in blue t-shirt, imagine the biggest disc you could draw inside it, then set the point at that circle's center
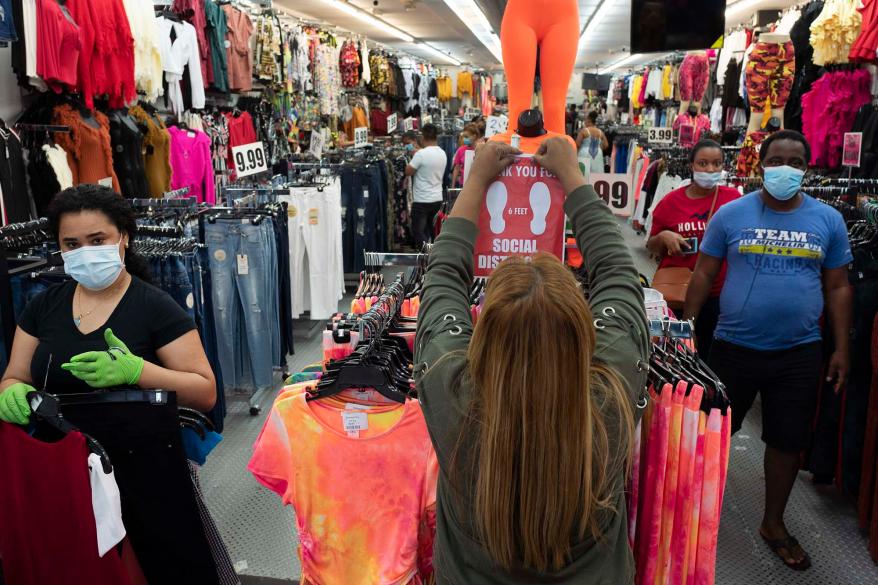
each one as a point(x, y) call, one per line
point(787, 254)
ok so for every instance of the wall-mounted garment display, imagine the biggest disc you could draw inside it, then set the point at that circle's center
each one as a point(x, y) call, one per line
point(147, 55)
point(156, 151)
point(192, 164)
point(865, 48)
point(217, 29)
point(835, 30)
point(829, 110)
point(127, 142)
point(241, 131)
point(694, 73)
point(88, 147)
point(239, 57)
point(15, 201)
point(179, 47)
point(193, 12)
point(59, 46)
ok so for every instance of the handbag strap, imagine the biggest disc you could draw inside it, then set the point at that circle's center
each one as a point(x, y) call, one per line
point(713, 205)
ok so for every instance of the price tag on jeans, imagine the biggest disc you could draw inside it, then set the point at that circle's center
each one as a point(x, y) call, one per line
point(365, 193)
point(661, 135)
point(249, 159)
point(392, 123)
point(361, 137)
point(243, 265)
point(318, 142)
point(408, 124)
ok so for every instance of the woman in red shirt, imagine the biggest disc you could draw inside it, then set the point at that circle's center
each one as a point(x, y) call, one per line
point(679, 223)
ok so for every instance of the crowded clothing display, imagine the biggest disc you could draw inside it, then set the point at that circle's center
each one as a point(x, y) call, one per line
point(241, 338)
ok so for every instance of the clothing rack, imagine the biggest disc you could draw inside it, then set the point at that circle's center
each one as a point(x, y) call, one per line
point(375, 259)
point(41, 128)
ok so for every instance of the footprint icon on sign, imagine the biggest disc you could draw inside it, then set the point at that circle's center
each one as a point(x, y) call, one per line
point(540, 202)
point(496, 202)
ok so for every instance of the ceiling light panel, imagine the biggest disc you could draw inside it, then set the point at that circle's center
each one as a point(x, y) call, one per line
point(364, 16)
point(472, 16)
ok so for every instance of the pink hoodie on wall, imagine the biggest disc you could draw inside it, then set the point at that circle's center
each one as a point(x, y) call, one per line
point(191, 163)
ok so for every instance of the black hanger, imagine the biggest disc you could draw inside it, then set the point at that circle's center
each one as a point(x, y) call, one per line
point(47, 408)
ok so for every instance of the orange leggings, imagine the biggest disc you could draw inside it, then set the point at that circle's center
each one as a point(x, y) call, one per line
point(554, 26)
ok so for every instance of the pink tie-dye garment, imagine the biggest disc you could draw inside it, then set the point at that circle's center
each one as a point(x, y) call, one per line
point(648, 552)
point(634, 486)
point(710, 499)
point(362, 482)
point(697, 485)
point(672, 475)
point(683, 513)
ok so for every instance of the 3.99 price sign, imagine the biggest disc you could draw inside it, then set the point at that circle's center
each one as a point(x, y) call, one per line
point(661, 135)
point(249, 159)
point(615, 190)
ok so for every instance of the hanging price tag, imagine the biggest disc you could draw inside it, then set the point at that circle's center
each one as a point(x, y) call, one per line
point(616, 190)
point(496, 125)
point(392, 123)
point(408, 124)
point(661, 135)
point(318, 142)
point(361, 137)
point(249, 159)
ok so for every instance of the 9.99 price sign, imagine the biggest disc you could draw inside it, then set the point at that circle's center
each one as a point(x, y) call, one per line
point(249, 159)
point(615, 190)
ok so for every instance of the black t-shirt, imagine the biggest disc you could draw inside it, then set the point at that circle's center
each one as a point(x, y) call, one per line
point(146, 319)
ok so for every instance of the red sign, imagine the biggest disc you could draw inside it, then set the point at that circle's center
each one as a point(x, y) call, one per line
point(853, 149)
point(522, 214)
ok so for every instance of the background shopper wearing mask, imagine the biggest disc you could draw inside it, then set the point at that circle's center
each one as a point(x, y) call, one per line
point(787, 255)
point(107, 327)
point(468, 142)
point(427, 169)
point(685, 213)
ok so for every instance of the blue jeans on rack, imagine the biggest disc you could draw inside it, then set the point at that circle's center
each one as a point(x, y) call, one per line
point(362, 193)
point(243, 265)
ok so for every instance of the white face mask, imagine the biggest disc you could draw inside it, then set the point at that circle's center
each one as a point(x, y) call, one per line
point(707, 180)
point(94, 267)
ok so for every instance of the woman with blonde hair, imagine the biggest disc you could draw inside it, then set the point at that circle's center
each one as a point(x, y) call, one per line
point(532, 411)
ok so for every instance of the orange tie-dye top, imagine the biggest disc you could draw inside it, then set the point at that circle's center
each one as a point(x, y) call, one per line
point(362, 479)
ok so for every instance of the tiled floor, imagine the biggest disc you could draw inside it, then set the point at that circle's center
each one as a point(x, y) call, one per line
point(261, 536)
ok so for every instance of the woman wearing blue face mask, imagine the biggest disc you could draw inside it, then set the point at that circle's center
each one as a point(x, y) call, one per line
point(107, 327)
point(680, 220)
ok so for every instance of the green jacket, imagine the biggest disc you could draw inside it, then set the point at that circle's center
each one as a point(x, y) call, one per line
point(444, 330)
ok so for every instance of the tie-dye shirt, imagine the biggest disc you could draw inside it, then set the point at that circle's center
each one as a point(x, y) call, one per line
point(362, 479)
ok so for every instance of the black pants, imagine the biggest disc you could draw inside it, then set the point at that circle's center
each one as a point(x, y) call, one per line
point(423, 219)
point(788, 381)
point(705, 325)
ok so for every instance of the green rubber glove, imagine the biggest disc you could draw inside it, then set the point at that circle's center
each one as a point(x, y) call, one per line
point(14, 407)
point(105, 369)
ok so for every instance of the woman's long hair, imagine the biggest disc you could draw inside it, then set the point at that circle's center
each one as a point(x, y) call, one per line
point(118, 211)
point(542, 415)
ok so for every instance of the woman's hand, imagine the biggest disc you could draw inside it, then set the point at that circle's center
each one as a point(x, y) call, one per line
point(674, 243)
point(14, 407)
point(105, 369)
point(491, 159)
point(556, 156)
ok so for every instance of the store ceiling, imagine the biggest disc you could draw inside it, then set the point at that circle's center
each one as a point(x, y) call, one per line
point(433, 22)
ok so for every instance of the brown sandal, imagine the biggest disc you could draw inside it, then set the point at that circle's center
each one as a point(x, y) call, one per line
point(788, 543)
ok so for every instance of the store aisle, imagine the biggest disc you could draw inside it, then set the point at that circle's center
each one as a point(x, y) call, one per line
point(260, 533)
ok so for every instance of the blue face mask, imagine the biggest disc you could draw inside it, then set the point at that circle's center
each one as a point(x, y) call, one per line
point(94, 267)
point(707, 180)
point(467, 141)
point(784, 182)
point(409, 147)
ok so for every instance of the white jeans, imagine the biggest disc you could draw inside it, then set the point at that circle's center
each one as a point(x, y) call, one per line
point(316, 264)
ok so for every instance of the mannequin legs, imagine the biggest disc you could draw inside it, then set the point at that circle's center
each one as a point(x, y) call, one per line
point(557, 60)
point(519, 43)
point(554, 25)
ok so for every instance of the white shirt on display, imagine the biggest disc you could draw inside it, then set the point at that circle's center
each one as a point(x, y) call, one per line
point(430, 164)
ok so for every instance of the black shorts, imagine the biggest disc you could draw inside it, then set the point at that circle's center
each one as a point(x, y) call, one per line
point(788, 381)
